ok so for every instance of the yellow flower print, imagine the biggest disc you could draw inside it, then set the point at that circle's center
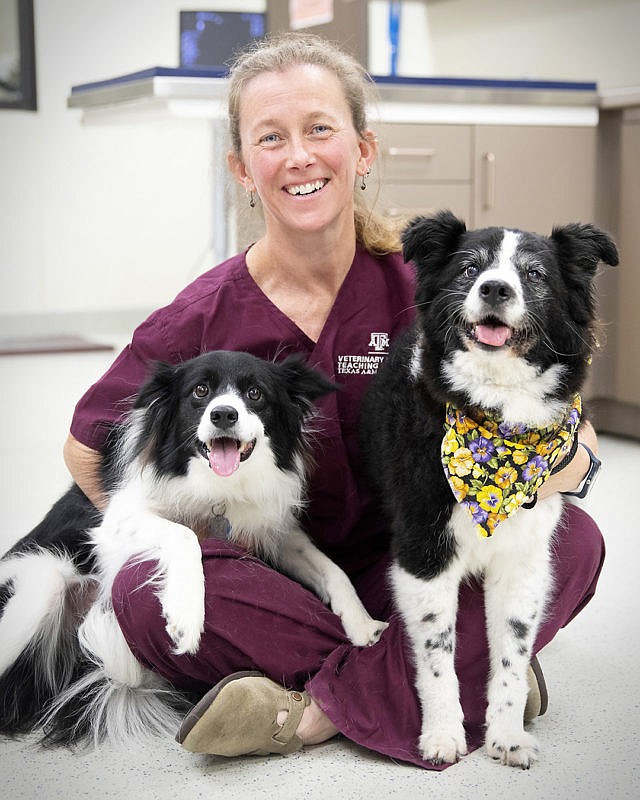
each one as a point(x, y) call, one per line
point(464, 424)
point(520, 457)
point(514, 502)
point(450, 442)
point(489, 498)
point(544, 448)
point(493, 520)
point(461, 462)
point(459, 487)
point(478, 471)
point(505, 477)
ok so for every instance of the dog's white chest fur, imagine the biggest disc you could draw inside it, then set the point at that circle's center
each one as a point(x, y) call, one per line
point(506, 382)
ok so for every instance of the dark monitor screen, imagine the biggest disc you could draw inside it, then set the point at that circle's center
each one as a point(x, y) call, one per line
point(211, 39)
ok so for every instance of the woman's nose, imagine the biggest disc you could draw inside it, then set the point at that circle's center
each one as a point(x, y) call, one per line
point(299, 153)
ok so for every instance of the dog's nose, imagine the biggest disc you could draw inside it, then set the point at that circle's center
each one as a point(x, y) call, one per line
point(224, 416)
point(494, 293)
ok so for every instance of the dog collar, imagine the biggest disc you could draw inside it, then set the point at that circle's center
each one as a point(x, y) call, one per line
point(494, 468)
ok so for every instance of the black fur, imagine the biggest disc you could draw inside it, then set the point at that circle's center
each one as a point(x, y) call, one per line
point(168, 413)
point(515, 343)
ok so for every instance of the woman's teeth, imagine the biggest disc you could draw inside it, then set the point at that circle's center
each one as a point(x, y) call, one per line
point(306, 188)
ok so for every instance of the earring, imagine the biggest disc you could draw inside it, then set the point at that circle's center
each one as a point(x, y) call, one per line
point(363, 185)
point(252, 200)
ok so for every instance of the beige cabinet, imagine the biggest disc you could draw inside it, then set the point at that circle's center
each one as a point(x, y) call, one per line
point(422, 168)
point(616, 385)
point(533, 177)
point(529, 177)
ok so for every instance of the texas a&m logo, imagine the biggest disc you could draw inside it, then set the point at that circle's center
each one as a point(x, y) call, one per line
point(367, 364)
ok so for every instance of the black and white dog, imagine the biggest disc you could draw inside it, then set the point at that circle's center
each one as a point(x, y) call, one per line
point(467, 416)
point(218, 440)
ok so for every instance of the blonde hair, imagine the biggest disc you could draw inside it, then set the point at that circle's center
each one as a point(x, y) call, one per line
point(276, 53)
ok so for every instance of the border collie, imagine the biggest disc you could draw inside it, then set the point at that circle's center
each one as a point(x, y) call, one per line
point(468, 415)
point(218, 442)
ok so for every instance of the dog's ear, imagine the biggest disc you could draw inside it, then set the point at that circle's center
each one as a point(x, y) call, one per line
point(434, 237)
point(158, 387)
point(579, 248)
point(582, 246)
point(304, 384)
point(159, 400)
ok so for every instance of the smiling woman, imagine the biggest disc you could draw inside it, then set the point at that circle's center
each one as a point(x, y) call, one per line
point(17, 55)
point(327, 282)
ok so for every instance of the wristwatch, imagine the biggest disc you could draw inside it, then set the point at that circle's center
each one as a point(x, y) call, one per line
point(590, 478)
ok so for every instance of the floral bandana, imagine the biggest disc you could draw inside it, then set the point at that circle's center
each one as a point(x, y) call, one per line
point(494, 468)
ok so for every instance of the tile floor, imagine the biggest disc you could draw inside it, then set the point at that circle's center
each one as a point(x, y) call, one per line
point(589, 736)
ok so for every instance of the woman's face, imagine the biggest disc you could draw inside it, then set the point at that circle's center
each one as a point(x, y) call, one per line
point(300, 151)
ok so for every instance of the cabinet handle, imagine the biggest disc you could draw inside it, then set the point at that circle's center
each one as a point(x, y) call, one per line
point(489, 180)
point(412, 152)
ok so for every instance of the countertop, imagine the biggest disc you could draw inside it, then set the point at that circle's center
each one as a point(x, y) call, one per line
point(201, 93)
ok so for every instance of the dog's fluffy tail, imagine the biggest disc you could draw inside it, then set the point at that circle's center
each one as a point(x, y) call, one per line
point(41, 597)
point(115, 699)
point(64, 664)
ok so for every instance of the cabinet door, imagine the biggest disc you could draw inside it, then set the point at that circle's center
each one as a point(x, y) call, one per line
point(534, 177)
point(628, 321)
point(421, 169)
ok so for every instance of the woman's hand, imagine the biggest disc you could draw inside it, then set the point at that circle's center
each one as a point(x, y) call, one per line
point(569, 478)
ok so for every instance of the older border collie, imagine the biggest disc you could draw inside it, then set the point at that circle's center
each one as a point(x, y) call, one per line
point(218, 442)
point(469, 413)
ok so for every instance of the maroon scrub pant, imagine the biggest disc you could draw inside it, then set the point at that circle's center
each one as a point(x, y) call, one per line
point(259, 619)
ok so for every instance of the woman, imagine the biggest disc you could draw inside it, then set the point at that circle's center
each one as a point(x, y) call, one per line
point(323, 280)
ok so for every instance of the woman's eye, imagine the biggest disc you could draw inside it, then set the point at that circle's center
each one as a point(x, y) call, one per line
point(321, 129)
point(201, 390)
point(254, 394)
point(270, 138)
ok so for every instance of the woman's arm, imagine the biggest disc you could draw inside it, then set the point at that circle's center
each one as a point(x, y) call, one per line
point(84, 465)
point(568, 479)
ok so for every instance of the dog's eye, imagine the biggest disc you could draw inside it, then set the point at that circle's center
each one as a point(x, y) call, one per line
point(201, 390)
point(470, 271)
point(534, 275)
point(254, 394)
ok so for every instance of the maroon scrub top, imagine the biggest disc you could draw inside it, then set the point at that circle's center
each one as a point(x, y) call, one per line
point(226, 309)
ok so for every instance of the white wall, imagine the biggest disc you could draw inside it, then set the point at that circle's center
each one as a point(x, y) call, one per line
point(552, 39)
point(101, 217)
point(95, 218)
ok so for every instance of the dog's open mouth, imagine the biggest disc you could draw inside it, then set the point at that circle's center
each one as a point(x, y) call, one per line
point(226, 454)
point(491, 333)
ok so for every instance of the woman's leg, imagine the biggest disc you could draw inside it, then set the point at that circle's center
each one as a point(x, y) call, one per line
point(259, 619)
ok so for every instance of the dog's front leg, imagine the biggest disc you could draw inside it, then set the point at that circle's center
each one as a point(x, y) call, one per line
point(429, 609)
point(302, 560)
point(127, 534)
point(515, 595)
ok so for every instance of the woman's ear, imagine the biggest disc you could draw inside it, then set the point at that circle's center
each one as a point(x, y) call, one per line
point(237, 169)
point(368, 151)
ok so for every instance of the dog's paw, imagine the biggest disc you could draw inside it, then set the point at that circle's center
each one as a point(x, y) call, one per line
point(185, 637)
point(512, 748)
point(444, 746)
point(365, 631)
point(184, 615)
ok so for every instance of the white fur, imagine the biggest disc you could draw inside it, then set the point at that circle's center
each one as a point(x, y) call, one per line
point(148, 518)
point(125, 701)
point(152, 516)
point(514, 565)
point(516, 390)
point(45, 578)
point(505, 271)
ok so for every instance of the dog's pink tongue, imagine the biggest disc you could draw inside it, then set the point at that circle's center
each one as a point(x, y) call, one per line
point(494, 336)
point(224, 457)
